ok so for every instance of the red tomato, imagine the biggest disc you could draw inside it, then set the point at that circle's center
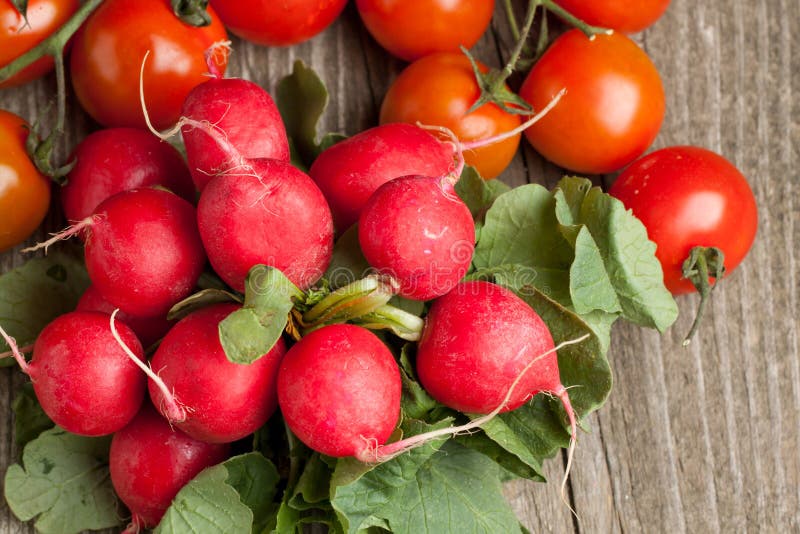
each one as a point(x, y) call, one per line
point(627, 16)
point(613, 107)
point(16, 38)
point(24, 192)
point(107, 57)
point(410, 30)
point(437, 90)
point(269, 22)
point(686, 197)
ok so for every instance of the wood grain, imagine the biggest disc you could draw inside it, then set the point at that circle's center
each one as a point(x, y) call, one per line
point(702, 439)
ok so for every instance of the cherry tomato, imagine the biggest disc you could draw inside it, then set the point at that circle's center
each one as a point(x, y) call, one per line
point(283, 23)
point(412, 29)
point(687, 196)
point(438, 90)
point(16, 38)
point(627, 16)
point(24, 192)
point(107, 57)
point(613, 107)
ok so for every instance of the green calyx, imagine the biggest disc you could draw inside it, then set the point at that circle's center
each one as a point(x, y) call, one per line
point(192, 12)
point(703, 263)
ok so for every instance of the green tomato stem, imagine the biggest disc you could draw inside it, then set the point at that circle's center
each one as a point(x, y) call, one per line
point(572, 20)
point(521, 38)
point(703, 263)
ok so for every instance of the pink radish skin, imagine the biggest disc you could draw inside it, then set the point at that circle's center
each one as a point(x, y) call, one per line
point(224, 401)
point(339, 389)
point(416, 230)
point(147, 329)
point(248, 116)
point(119, 159)
point(150, 462)
point(477, 340)
point(84, 381)
point(270, 213)
point(143, 251)
point(350, 171)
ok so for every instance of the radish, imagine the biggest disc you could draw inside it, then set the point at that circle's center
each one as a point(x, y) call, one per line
point(417, 231)
point(150, 462)
point(147, 329)
point(223, 401)
point(143, 251)
point(266, 212)
point(118, 159)
point(350, 171)
point(84, 381)
point(240, 108)
point(338, 389)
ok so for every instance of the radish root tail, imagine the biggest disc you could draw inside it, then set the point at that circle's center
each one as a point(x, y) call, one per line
point(16, 352)
point(373, 453)
point(66, 233)
point(171, 408)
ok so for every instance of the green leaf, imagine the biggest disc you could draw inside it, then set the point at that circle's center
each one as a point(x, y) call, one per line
point(302, 99)
point(234, 496)
point(515, 467)
point(590, 287)
point(348, 263)
point(64, 480)
point(37, 292)
point(252, 331)
point(29, 418)
point(415, 402)
point(452, 489)
point(199, 300)
point(629, 256)
point(478, 194)
point(521, 229)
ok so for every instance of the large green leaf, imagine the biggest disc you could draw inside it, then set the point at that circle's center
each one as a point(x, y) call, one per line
point(29, 417)
point(37, 292)
point(64, 480)
point(436, 491)
point(478, 194)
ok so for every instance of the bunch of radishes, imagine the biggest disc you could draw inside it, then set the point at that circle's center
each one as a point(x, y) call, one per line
point(483, 349)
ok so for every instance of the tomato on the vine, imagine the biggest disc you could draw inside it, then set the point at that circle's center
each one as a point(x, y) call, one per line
point(17, 37)
point(107, 58)
point(410, 30)
point(24, 191)
point(613, 107)
point(689, 197)
point(272, 23)
point(438, 90)
point(627, 16)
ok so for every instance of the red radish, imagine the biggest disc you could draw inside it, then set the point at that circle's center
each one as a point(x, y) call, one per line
point(416, 230)
point(338, 389)
point(350, 171)
point(143, 250)
point(147, 329)
point(84, 381)
point(267, 212)
point(224, 401)
point(241, 109)
point(150, 462)
point(118, 159)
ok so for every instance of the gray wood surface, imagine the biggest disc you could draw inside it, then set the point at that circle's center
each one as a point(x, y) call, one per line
point(698, 439)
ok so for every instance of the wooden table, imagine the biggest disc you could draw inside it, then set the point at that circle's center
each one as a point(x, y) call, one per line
point(697, 439)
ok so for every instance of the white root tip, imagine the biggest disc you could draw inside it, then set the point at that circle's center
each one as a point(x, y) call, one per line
point(66, 233)
point(16, 352)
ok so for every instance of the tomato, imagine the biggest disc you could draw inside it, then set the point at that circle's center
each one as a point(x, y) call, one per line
point(24, 192)
point(438, 90)
point(410, 30)
point(688, 196)
point(16, 38)
point(283, 23)
point(627, 16)
point(613, 108)
point(107, 57)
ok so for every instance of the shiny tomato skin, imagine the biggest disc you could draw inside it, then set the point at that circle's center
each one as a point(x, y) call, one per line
point(688, 196)
point(277, 23)
point(24, 191)
point(107, 57)
point(626, 16)
point(613, 107)
point(16, 38)
point(413, 29)
point(438, 90)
